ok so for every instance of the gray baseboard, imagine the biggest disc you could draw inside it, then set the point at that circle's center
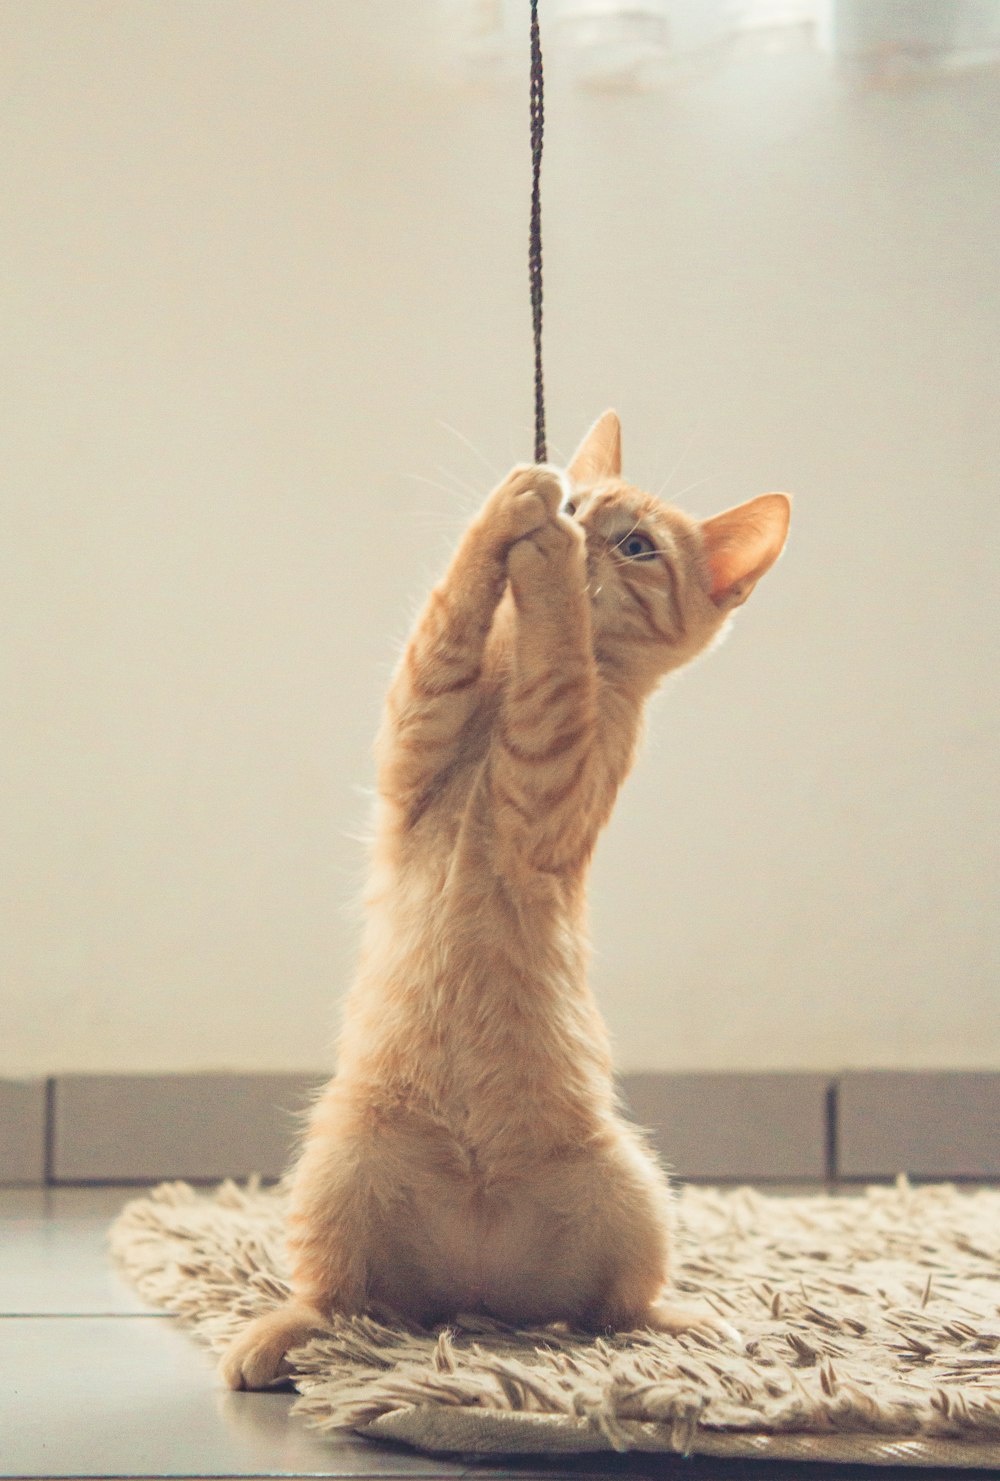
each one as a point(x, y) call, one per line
point(780, 1128)
point(730, 1126)
point(118, 1128)
point(930, 1123)
point(24, 1122)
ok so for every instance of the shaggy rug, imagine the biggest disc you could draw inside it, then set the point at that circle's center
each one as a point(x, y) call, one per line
point(870, 1331)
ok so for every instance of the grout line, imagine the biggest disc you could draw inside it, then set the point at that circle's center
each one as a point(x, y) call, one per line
point(815, 1180)
point(87, 1316)
point(153, 1180)
point(832, 1130)
point(49, 1154)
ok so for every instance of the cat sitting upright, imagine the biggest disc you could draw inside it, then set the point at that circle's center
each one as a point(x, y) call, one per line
point(469, 1154)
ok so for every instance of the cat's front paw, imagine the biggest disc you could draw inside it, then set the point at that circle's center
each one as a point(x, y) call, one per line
point(257, 1357)
point(560, 540)
point(548, 565)
point(549, 487)
point(528, 499)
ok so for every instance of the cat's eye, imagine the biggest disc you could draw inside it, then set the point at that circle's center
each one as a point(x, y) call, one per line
point(569, 508)
point(635, 546)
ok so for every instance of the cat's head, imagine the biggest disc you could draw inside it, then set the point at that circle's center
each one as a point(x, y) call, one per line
point(662, 584)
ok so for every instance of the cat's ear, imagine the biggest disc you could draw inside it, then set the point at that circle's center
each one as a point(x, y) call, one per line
point(741, 544)
point(599, 455)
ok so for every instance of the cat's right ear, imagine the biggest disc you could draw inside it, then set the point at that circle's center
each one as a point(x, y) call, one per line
point(741, 544)
point(599, 455)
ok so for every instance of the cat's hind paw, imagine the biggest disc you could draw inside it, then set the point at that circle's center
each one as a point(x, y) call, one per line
point(664, 1316)
point(256, 1359)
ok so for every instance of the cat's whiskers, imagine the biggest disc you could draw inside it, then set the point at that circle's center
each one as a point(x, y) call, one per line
point(696, 485)
point(465, 484)
point(433, 483)
point(463, 493)
point(468, 490)
point(493, 472)
point(694, 434)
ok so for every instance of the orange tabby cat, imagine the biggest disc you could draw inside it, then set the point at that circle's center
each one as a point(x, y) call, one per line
point(469, 1155)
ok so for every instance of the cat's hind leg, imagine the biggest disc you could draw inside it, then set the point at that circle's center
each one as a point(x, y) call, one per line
point(625, 1308)
point(329, 1236)
point(625, 1311)
point(631, 1229)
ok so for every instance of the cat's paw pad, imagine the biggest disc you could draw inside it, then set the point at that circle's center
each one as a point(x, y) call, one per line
point(256, 1359)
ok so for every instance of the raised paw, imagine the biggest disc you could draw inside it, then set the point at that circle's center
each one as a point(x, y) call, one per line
point(256, 1358)
point(557, 541)
point(528, 499)
point(548, 486)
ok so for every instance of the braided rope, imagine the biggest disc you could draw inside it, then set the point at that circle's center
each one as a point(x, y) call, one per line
point(535, 232)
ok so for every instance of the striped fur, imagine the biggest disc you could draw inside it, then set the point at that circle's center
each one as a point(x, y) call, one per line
point(469, 1154)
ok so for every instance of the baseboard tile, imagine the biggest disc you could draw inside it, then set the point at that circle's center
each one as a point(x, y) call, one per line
point(24, 1124)
point(734, 1126)
point(146, 1128)
point(929, 1123)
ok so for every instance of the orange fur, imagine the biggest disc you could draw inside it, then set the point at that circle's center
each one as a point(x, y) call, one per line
point(469, 1154)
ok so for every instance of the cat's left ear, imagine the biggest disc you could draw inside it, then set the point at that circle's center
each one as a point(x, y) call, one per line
point(599, 455)
point(741, 544)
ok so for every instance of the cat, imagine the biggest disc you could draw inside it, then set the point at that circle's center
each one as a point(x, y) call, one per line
point(469, 1155)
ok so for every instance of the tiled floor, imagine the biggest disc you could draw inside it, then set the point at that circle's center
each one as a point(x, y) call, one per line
point(93, 1384)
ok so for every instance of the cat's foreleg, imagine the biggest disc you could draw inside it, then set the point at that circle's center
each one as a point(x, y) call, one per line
point(435, 689)
point(543, 765)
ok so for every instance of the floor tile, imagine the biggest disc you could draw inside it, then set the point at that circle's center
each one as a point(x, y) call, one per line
point(105, 1396)
point(55, 1259)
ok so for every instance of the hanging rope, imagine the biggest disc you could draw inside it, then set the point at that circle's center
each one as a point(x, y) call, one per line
point(535, 233)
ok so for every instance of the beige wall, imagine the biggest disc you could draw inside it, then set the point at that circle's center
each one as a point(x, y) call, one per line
point(252, 261)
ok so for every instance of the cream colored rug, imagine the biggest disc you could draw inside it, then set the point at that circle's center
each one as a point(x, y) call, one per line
point(870, 1325)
